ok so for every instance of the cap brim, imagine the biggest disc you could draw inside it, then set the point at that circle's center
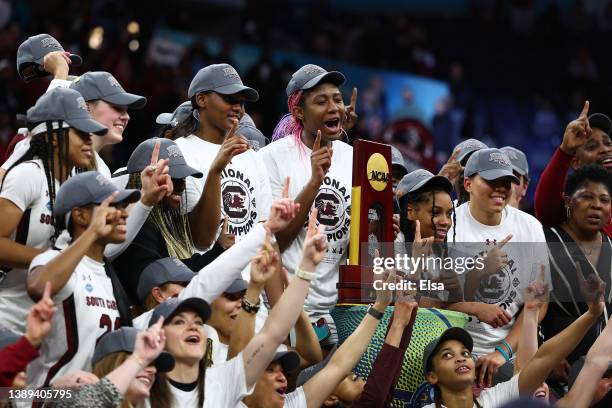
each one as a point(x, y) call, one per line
point(237, 285)
point(463, 157)
point(182, 170)
point(164, 362)
point(335, 77)
point(163, 118)
point(250, 94)
point(439, 181)
point(76, 60)
point(519, 170)
point(127, 197)
point(127, 99)
point(495, 174)
point(88, 126)
point(453, 333)
point(401, 166)
point(200, 306)
point(290, 360)
point(120, 173)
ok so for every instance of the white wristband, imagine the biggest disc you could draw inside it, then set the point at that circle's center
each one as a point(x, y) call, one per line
point(308, 276)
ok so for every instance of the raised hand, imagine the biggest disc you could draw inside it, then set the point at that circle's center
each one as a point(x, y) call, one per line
point(315, 244)
point(404, 308)
point(56, 63)
point(233, 145)
point(421, 246)
point(487, 366)
point(263, 265)
point(226, 239)
point(496, 259)
point(282, 211)
point(40, 318)
point(320, 161)
point(536, 294)
point(452, 170)
point(74, 380)
point(350, 118)
point(577, 132)
point(592, 289)
point(104, 217)
point(384, 296)
point(149, 344)
point(492, 315)
point(155, 180)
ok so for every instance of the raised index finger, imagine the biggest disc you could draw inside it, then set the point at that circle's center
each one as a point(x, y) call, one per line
point(47, 292)
point(354, 98)
point(155, 155)
point(317, 143)
point(312, 221)
point(286, 187)
point(417, 230)
point(232, 131)
point(108, 200)
point(504, 241)
point(453, 157)
point(585, 110)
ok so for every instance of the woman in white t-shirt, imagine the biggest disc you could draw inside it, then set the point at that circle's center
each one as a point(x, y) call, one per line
point(308, 149)
point(516, 249)
point(190, 384)
point(61, 141)
point(450, 367)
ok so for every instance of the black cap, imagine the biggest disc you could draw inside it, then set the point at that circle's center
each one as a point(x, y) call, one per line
point(31, 55)
point(453, 333)
point(601, 121)
point(160, 272)
point(66, 105)
point(102, 85)
point(124, 339)
point(288, 359)
point(87, 188)
point(141, 158)
point(173, 306)
point(311, 75)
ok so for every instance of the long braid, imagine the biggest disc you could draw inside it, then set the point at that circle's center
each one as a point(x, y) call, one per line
point(454, 222)
point(49, 165)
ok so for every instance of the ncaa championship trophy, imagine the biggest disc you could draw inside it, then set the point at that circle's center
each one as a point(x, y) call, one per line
point(371, 225)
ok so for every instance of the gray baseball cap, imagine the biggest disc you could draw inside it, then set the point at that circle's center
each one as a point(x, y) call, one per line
point(490, 164)
point(173, 306)
point(141, 158)
point(124, 339)
point(453, 333)
point(8, 337)
point(162, 271)
point(310, 76)
point(288, 359)
point(247, 128)
point(518, 159)
point(601, 121)
point(87, 188)
point(176, 117)
point(66, 105)
point(222, 79)
point(397, 159)
point(31, 54)
point(466, 148)
point(418, 179)
point(309, 372)
point(102, 85)
point(238, 285)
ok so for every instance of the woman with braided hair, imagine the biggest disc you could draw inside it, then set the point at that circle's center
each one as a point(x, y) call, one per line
point(61, 130)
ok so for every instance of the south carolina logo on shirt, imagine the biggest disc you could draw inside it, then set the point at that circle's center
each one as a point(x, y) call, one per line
point(239, 205)
point(499, 288)
point(333, 205)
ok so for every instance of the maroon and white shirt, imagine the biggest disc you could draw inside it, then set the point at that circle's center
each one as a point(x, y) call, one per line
point(86, 310)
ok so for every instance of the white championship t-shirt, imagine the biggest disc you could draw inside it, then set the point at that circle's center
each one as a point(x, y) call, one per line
point(245, 186)
point(86, 310)
point(225, 384)
point(496, 396)
point(295, 399)
point(220, 350)
point(526, 252)
point(333, 201)
point(26, 187)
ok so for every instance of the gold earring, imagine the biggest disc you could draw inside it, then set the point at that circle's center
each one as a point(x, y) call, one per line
point(568, 212)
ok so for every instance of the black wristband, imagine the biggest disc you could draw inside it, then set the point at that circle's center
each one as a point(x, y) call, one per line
point(249, 307)
point(375, 313)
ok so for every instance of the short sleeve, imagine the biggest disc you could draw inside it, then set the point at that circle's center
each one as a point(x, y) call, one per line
point(500, 394)
point(19, 151)
point(296, 399)
point(43, 259)
point(193, 192)
point(226, 383)
point(22, 186)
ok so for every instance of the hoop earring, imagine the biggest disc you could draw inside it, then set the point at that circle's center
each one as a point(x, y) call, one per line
point(568, 212)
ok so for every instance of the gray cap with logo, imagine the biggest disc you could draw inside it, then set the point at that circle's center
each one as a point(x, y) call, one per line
point(418, 179)
point(311, 75)
point(397, 159)
point(66, 105)
point(31, 54)
point(466, 148)
point(160, 272)
point(247, 128)
point(102, 85)
point(176, 117)
point(87, 188)
point(141, 158)
point(124, 339)
point(222, 79)
point(518, 159)
point(490, 164)
point(173, 306)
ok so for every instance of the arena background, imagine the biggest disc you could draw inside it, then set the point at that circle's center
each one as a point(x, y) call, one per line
point(429, 73)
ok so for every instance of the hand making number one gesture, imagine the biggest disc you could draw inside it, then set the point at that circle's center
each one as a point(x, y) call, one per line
point(282, 210)
point(155, 180)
